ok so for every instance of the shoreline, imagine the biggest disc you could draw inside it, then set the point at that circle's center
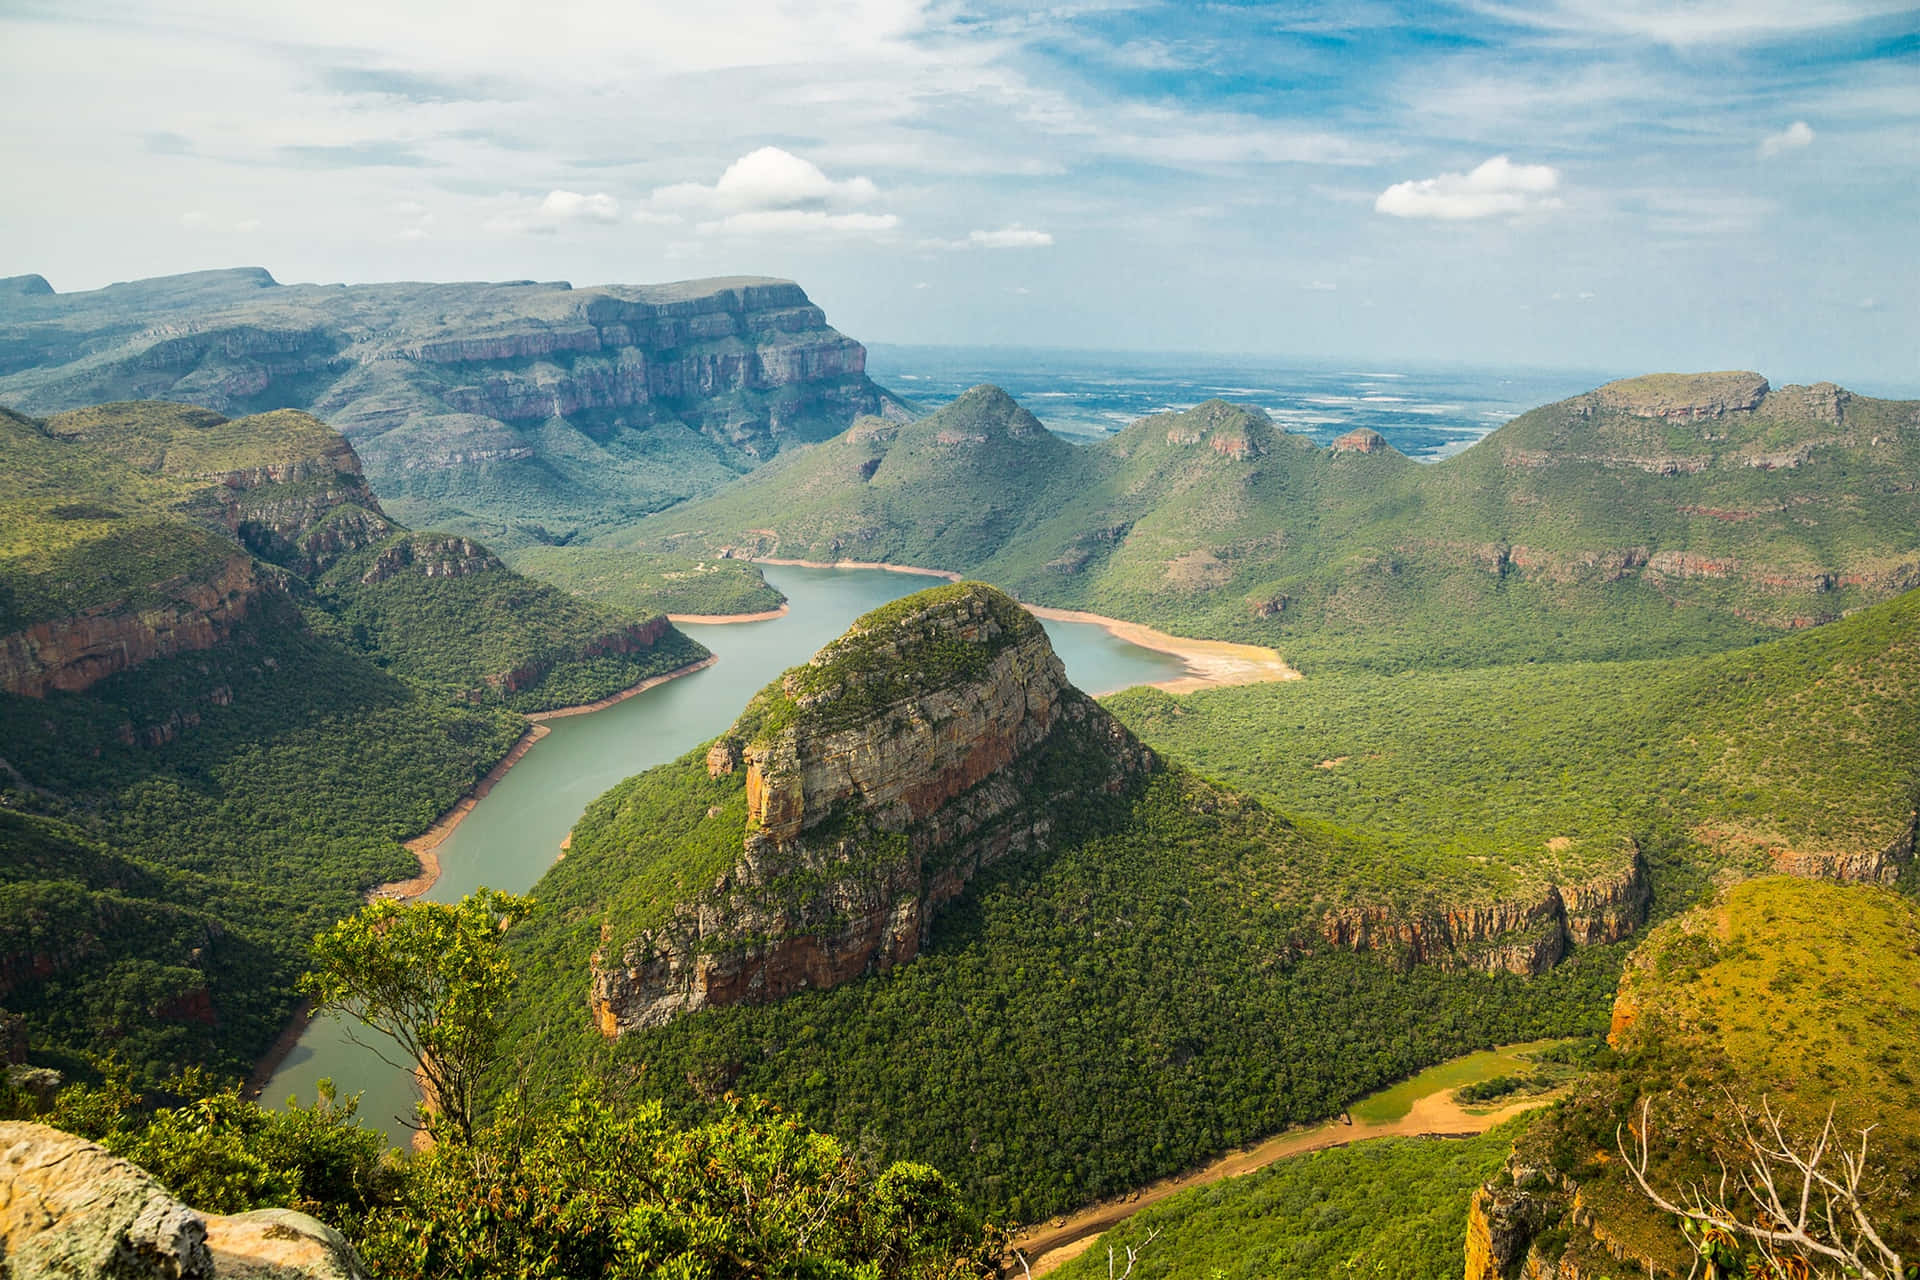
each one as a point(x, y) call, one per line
point(1211, 664)
point(726, 619)
point(1436, 1115)
point(651, 682)
point(425, 847)
point(283, 1044)
point(427, 842)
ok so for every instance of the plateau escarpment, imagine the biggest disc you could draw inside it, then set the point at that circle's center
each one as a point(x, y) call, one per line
point(876, 782)
point(519, 412)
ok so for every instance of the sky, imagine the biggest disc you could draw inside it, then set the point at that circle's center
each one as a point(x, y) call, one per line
point(1621, 184)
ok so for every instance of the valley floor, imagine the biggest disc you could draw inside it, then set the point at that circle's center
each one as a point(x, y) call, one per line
point(1433, 1114)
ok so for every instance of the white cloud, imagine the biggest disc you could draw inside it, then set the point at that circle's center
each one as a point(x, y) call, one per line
point(247, 225)
point(1319, 286)
point(1795, 136)
point(1496, 187)
point(572, 206)
point(648, 218)
point(1014, 237)
point(800, 221)
point(1685, 24)
point(768, 179)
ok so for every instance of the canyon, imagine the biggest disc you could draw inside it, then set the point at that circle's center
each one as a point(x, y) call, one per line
point(468, 401)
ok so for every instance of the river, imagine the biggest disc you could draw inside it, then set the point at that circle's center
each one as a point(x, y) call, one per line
point(512, 835)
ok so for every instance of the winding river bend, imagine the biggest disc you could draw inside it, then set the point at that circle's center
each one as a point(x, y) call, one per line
point(513, 833)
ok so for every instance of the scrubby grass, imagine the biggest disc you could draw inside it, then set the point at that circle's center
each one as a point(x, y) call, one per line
point(1394, 1207)
point(1798, 993)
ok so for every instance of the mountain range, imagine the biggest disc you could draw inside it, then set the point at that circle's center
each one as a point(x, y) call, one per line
point(517, 412)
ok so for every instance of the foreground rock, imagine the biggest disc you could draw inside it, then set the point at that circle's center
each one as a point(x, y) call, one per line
point(69, 1208)
point(879, 779)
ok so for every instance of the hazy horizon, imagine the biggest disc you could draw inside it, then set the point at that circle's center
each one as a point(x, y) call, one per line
point(1623, 186)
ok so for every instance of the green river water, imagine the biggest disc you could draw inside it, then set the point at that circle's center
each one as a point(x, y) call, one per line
point(514, 832)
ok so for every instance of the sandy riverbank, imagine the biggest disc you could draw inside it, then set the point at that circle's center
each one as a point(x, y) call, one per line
point(723, 619)
point(1436, 1115)
point(425, 844)
point(1211, 664)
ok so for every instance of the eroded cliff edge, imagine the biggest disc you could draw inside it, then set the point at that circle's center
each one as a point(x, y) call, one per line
point(864, 790)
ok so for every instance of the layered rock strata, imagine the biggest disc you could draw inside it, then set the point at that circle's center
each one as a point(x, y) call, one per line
point(74, 653)
point(879, 780)
point(1522, 935)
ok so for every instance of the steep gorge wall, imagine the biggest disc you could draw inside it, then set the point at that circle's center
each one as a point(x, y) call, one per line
point(75, 653)
point(1526, 935)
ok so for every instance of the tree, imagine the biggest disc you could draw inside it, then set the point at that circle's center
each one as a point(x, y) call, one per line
point(1787, 1210)
point(432, 976)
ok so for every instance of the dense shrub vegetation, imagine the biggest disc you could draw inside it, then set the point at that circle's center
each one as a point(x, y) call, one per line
point(1394, 1208)
point(1153, 960)
point(638, 584)
point(213, 810)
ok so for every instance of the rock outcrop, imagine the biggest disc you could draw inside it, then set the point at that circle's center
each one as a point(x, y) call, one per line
point(1526, 935)
point(1684, 396)
point(879, 779)
point(1361, 440)
point(74, 653)
point(70, 1208)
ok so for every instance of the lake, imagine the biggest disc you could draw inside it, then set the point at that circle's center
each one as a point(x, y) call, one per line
point(514, 832)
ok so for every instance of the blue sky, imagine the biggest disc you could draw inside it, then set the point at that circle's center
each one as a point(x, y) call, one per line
point(1628, 184)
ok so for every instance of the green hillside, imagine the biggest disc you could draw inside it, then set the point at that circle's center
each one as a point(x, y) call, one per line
point(1801, 753)
point(1161, 950)
point(1800, 994)
point(1650, 517)
point(230, 679)
point(641, 584)
point(1394, 1208)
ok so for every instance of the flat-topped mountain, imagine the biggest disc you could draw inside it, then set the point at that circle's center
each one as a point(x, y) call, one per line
point(518, 411)
point(1653, 515)
point(860, 793)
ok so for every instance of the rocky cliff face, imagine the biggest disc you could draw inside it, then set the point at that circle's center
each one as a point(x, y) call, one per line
point(879, 780)
point(1527, 935)
point(450, 391)
point(75, 653)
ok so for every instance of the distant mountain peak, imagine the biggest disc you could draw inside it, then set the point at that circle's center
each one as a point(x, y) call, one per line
point(1684, 395)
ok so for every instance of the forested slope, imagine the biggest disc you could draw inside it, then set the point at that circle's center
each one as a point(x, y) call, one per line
point(235, 684)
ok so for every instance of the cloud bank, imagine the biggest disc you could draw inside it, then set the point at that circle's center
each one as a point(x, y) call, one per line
point(1497, 187)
